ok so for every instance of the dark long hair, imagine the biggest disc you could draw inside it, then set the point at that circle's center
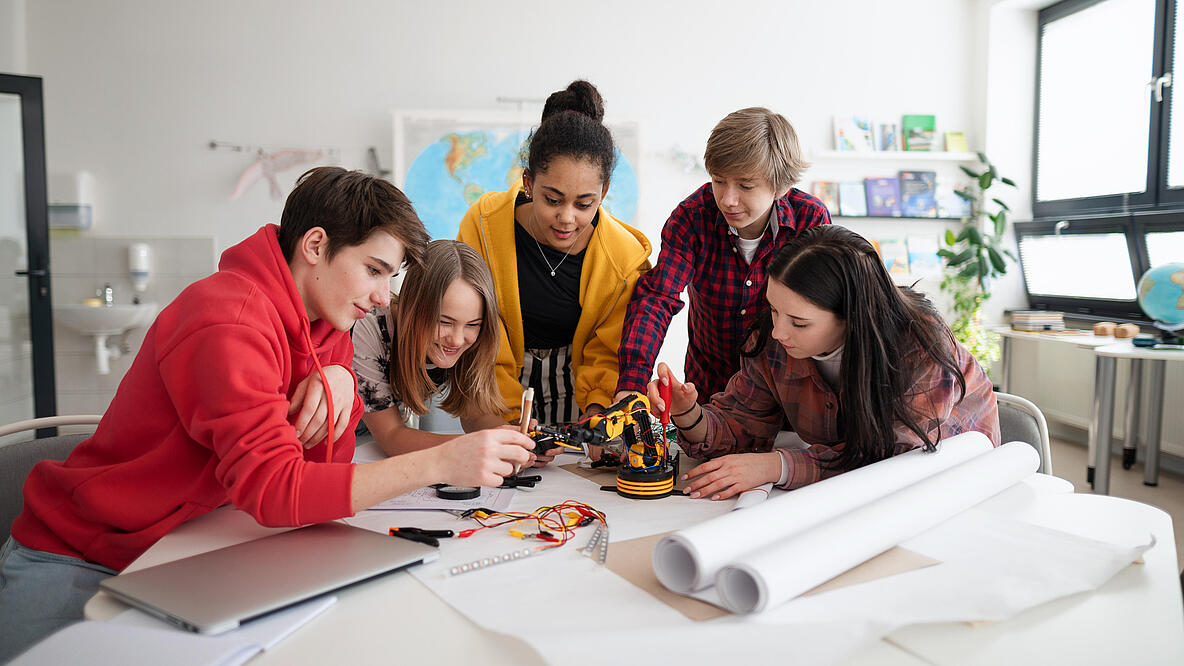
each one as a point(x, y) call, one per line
point(893, 334)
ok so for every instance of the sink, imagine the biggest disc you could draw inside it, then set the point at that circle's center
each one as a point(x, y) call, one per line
point(104, 320)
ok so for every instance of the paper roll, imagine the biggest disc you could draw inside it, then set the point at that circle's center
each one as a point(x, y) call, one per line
point(689, 559)
point(750, 498)
point(778, 572)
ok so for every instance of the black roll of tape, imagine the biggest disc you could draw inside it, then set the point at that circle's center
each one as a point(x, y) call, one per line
point(457, 492)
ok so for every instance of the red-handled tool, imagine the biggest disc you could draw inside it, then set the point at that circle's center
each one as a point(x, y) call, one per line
point(664, 391)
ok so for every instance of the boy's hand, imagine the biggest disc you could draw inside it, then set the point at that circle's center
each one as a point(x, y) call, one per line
point(723, 477)
point(311, 424)
point(682, 396)
point(482, 458)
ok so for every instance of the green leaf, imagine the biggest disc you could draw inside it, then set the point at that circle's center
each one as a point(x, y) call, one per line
point(970, 173)
point(1010, 255)
point(960, 258)
point(974, 236)
point(1007, 181)
point(1001, 204)
point(965, 195)
point(982, 267)
point(950, 240)
point(984, 181)
point(945, 254)
point(968, 271)
point(1000, 224)
point(982, 158)
point(997, 260)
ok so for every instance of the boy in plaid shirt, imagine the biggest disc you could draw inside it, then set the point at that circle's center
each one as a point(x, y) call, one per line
point(716, 245)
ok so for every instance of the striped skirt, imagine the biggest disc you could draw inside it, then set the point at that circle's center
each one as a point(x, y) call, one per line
point(548, 372)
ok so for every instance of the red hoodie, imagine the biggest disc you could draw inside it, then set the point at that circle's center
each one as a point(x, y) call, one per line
point(201, 419)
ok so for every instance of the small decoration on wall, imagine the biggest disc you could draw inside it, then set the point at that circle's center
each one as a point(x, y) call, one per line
point(270, 162)
point(267, 165)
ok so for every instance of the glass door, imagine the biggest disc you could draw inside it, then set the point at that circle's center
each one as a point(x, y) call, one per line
point(26, 327)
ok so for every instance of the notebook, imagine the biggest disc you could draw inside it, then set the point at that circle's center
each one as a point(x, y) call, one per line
point(217, 590)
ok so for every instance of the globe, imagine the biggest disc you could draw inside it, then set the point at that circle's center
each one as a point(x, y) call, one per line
point(1161, 293)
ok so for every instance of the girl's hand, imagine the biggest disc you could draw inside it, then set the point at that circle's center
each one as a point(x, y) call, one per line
point(682, 396)
point(311, 423)
point(726, 476)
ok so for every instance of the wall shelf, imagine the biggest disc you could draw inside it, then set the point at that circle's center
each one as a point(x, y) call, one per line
point(895, 156)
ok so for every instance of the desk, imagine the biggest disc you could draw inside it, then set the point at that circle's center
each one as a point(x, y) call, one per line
point(1104, 376)
point(396, 618)
point(1102, 413)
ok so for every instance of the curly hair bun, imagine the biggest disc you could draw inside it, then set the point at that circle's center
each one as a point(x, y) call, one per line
point(580, 96)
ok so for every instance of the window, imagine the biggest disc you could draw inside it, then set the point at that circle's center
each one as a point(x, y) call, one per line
point(1108, 190)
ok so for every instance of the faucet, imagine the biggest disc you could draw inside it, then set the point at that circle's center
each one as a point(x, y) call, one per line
point(108, 295)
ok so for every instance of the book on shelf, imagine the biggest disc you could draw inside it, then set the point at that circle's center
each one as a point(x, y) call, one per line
point(853, 133)
point(852, 199)
point(1037, 320)
point(923, 259)
point(895, 256)
point(828, 192)
point(886, 135)
point(949, 204)
point(919, 131)
point(956, 142)
point(883, 197)
point(918, 193)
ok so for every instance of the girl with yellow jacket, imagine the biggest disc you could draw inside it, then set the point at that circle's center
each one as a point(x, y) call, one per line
point(564, 269)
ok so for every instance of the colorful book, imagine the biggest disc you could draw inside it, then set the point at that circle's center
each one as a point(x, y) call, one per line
point(923, 259)
point(949, 204)
point(886, 136)
point(883, 197)
point(852, 199)
point(918, 190)
point(956, 143)
point(919, 132)
point(853, 133)
point(828, 192)
point(895, 256)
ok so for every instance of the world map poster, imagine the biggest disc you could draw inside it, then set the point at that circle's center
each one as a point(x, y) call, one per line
point(444, 161)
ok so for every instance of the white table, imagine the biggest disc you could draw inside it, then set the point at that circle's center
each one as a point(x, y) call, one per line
point(1101, 420)
point(1104, 377)
point(396, 618)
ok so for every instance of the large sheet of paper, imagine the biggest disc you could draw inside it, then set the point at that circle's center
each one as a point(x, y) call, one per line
point(689, 560)
point(760, 578)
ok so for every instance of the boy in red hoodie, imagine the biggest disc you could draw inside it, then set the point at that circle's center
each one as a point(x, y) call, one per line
point(207, 414)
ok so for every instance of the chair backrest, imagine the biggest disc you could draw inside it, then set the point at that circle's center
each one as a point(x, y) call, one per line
point(18, 458)
point(1022, 421)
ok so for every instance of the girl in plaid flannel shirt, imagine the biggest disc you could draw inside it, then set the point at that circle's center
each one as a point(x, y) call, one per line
point(862, 370)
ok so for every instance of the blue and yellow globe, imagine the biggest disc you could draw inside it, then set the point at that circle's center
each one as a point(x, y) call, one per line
point(1161, 293)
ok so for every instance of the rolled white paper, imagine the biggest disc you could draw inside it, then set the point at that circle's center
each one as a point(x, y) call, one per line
point(778, 572)
point(750, 498)
point(689, 559)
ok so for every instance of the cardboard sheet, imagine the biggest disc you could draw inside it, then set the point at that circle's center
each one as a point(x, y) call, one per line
point(630, 560)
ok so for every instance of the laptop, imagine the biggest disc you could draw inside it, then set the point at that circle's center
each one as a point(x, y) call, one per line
point(218, 590)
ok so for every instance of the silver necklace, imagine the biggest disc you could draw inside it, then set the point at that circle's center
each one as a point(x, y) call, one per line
point(544, 256)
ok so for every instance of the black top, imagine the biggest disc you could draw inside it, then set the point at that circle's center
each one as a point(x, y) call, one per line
point(550, 305)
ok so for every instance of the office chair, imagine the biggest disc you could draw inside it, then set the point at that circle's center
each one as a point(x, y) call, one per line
point(18, 458)
point(1020, 420)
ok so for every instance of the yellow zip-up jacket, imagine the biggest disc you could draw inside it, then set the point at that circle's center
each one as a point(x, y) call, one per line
point(616, 256)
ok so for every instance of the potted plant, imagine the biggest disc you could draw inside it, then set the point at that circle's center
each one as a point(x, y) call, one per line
point(974, 257)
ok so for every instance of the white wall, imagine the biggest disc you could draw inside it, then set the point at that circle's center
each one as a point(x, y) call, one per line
point(135, 89)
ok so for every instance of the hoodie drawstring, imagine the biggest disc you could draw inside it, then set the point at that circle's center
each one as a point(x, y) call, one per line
point(328, 393)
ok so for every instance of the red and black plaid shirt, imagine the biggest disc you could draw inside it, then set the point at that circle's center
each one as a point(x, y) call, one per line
point(726, 294)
